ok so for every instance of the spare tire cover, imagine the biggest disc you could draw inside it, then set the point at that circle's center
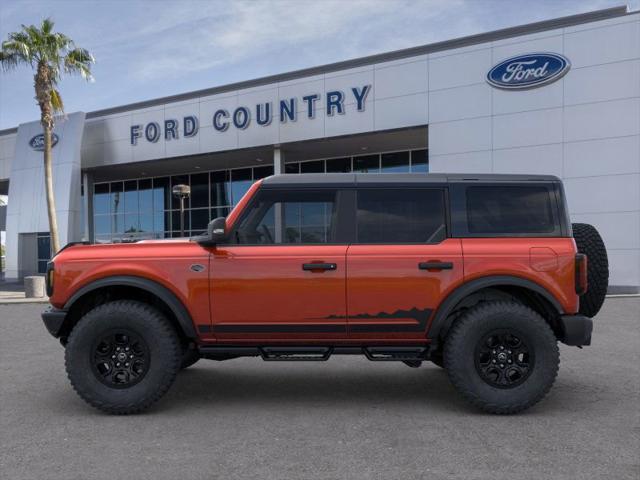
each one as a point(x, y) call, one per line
point(589, 242)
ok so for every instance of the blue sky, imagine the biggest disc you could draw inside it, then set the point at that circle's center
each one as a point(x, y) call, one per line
point(149, 49)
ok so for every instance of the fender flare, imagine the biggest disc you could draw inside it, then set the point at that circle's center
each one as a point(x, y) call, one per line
point(441, 323)
point(163, 293)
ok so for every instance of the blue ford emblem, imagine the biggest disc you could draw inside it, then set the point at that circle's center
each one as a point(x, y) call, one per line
point(528, 71)
point(37, 142)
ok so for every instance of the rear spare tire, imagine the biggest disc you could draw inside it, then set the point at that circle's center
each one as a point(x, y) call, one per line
point(589, 242)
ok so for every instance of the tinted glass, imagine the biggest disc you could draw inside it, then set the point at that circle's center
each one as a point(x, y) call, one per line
point(292, 168)
point(131, 196)
point(397, 162)
point(339, 165)
point(509, 209)
point(200, 190)
point(117, 197)
point(312, 167)
point(220, 189)
point(101, 198)
point(161, 194)
point(401, 216)
point(240, 183)
point(420, 161)
point(261, 172)
point(44, 247)
point(289, 217)
point(199, 219)
point(366, 164)
point(145, 195)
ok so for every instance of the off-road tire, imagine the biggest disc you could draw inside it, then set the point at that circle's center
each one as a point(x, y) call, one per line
point(160, 338)
point(437, 359)
point(589, 242)
point(460, 356)
point(189, 357)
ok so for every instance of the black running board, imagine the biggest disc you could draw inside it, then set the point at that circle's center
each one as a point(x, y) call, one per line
point(316, 353)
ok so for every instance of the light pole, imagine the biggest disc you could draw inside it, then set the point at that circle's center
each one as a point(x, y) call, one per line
point(182, 192)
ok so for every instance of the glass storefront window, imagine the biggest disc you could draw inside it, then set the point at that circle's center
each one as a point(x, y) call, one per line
point(317, 166)
point(397, 162)
point(116, 198)
point(101, 198)
point(262, 172)
point(161, 194)
point(420, 161)
point(366, 164)
point(339, 165)
point(130, 210)
point(44, 250)
point(241, 180)
point(131, 203)
point(200, 190)
point(220, 189)
point(292, 168)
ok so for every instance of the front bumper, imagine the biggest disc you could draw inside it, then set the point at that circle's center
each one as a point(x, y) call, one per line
point(575, 330)
point(53, 319)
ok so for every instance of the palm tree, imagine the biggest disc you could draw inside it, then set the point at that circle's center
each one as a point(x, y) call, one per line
point(49, 54)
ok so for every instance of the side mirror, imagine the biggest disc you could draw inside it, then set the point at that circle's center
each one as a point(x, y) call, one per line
point(216, 232)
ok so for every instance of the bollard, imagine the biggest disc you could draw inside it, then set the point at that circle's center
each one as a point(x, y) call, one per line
point(34, 287)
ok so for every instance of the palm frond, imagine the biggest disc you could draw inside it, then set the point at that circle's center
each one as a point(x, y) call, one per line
point(79, 61)
point(56, 101)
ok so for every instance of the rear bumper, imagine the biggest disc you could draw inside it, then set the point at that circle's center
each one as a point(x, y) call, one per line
point(53, 319)
point(575, 330)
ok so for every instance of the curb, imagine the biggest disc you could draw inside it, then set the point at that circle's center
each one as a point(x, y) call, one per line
point(17, 301)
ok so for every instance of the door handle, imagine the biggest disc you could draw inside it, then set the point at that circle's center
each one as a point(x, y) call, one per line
point(319, 266)
point(435, 265)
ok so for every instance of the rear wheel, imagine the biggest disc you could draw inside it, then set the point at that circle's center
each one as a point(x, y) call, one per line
point(122, 356)
point(502, 357)
point(589, 242)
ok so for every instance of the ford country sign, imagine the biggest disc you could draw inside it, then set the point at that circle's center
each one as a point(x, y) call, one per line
point(528, 71)
point(37, 142)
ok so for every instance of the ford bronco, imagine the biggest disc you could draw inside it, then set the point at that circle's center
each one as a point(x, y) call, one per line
point(482, 275)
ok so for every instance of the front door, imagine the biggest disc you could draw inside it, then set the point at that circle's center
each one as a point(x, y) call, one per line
point(282, 277)
point(401, 264)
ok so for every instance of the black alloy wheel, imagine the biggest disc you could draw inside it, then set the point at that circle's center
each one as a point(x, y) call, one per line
point(120, 358)
point(503, 359)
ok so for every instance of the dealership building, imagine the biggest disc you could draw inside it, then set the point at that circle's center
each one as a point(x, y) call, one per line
point(558, 97)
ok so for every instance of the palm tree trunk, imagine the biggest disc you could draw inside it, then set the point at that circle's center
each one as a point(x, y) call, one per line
point(48, 181)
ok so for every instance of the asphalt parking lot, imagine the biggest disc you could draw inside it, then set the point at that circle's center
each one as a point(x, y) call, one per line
point(345, 418)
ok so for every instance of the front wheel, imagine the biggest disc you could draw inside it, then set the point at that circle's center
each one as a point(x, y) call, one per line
point(502, 357)
point(122, 356)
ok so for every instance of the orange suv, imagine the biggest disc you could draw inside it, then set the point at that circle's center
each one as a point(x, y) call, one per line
point(479, 274)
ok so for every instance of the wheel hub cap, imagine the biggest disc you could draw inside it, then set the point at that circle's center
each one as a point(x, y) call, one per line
point(120, 358)
point(503, 359)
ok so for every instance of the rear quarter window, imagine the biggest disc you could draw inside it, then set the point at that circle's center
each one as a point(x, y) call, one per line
point(528, 210)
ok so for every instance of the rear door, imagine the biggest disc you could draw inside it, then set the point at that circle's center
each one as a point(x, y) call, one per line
point(402, 263)
point(283, 277)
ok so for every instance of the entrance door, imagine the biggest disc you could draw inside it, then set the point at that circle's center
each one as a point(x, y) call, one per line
point(401, 265)
point(282, 276)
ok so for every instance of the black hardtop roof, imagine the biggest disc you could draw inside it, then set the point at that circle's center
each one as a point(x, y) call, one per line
point(354, 179)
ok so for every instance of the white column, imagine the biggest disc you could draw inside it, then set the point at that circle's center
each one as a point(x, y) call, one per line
point(278, 169)
point(278, 161)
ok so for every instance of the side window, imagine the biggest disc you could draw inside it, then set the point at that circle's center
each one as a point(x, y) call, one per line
point(413, 215)
point(510, 210)
point(289, 217)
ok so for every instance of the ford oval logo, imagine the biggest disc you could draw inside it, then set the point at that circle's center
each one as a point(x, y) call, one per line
point(528, 71)
point(37, 142)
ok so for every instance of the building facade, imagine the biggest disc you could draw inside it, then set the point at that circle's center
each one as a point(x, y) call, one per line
point(558, 97)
